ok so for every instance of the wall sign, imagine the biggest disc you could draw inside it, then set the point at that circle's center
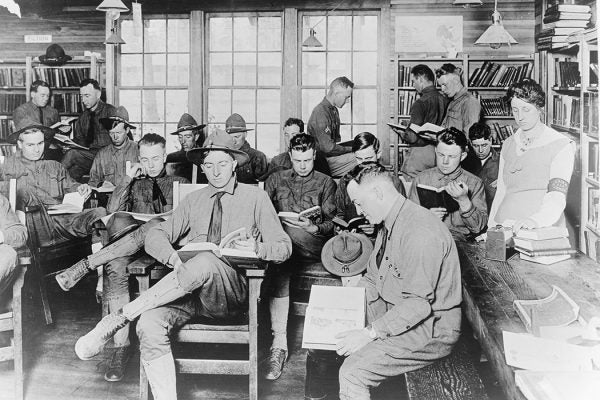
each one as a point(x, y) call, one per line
point(38, 38)
point(431, 34)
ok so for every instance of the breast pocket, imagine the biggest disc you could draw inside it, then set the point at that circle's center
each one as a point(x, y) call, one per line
point(392, 285)
point(109, 175)
point(282, 201)
point(54, 187)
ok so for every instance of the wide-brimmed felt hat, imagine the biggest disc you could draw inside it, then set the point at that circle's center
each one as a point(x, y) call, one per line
point(119, 225)
point(55, 55)
point(346, 254)
point(235, 123)
point(119, 114)
point(218, 140)
point(47, 131)
point(187, 123)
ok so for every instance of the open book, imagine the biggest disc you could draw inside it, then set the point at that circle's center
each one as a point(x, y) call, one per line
point(140, 216)
point(72, 204)
point(431, 197)
point(332, 310)
point(427, 131)
point(64, 122)
point(234, 244)
point(354, 223)
point(311, 213)
point(65, 140)
point(558, 309)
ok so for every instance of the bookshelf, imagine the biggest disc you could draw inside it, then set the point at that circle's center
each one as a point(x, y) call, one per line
point(13, 84)
point(487, 78)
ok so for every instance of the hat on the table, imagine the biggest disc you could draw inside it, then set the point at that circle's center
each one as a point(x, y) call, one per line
point(346, 254)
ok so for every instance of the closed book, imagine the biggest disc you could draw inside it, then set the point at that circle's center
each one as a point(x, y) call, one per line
point(553, 39)
point(567, 16)
point(490, 76)
point(577, 8)
point(546, 260)
point(547, 244)
point(499, 75)
point(549, 232)
point(559, 31)
point(431, 197)
point(546, 253)
point(567, 24)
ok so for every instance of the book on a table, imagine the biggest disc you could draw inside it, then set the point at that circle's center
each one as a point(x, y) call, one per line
point(558, 385)
point(432, 197)
point(546, 260)
point(545, 253)
point(558, 309)
point(549, 232)
point(353, 223)
point(310, 213)
point(72, 204)
point(540, 245)
point(234, 244)
point(332, 310)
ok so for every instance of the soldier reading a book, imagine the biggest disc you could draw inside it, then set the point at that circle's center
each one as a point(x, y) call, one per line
point(145, 189)
point(296, 190)
point(205, 285)
point(454, 195)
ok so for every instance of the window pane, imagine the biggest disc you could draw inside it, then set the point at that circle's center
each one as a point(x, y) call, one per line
point(339, 29)
point(177, 104)
point(219, 105)
point(244, 34)
point(346, 112)
point(220, 34)
point(179, 35)
point(155, 35)
point(179, 69)
point(244, 69)
point(220, 68)
point(132, 101)
point(131, 70)
point(313, 69)
point(268, 104)
point(365, 32)
point(309, 22)
point(269, 33)
point(153, 106)
point(364, 106)
point(244, 104)
point(338, 64)
point(268, 139)
point(133, 40)
point(154, 69)
point(269, 69)
point(346, 132)
point(172, 141)
point(365, 68)
point(159, 129)
point(310, 99)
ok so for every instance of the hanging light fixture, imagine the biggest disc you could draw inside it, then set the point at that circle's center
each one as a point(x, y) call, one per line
point(495, 36)
point(114, 38)
point(113, 9)
point(311, 40)
point(467, 3)
point(112, 5)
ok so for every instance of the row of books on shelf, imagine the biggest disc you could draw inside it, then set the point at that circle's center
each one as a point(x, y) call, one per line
point(567, 74)
point(62, 77)
point(406, 98)
point(495, 107)
point(10, 101)
point(492, 74)
point(6, 128)
point(566, 111)
point(67, 103)
point(404, 75)
point(593, 171)
point(12, 77)
point(500, 133)
point(590, 113)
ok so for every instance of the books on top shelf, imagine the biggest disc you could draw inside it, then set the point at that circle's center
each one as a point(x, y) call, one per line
point(561, 21)
point(404, 75)
point(10, 101)
point(432, 197)
point(558, 309)
point(12, 77)
point(492, 74)
point(62, 77)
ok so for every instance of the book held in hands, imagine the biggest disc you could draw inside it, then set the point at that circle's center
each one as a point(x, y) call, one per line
point(354, 223)
point(234, 245)
point(311, 213)
point(432, 197)
point(72, 204)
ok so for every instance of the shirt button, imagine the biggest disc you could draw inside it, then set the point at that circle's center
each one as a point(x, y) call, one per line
point(387, 258)
point(407, 326)
point(380, 277)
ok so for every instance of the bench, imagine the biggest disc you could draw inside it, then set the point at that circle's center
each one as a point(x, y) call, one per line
point(451, 378)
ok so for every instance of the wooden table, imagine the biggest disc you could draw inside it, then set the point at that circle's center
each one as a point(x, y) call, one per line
point(490, 287)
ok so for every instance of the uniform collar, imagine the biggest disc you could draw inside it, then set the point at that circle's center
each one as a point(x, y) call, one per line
point(392, 215)
point(461, 93)
point(294, 175)
point(454, 175)
point(229, 188)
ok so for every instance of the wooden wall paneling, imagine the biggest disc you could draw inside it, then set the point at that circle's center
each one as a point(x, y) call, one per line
point(196, 99)
point(385, 73)
point(290, 91)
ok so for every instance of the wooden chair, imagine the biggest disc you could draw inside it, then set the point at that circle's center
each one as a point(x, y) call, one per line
point(244, 333)
point(11, 320)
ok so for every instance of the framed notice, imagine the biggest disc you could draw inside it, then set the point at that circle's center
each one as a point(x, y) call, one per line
point(431, 34)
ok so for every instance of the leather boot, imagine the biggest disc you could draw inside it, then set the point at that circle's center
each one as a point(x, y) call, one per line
point(118, 363)
point(70, 276)
point(161, 376)
point(92, 343)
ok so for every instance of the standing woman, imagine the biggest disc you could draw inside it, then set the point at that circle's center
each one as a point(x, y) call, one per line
point(535, 165)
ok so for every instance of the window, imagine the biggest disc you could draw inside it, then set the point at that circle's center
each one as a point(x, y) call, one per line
point(245, 74)
point(349, 49)
point(154, 75)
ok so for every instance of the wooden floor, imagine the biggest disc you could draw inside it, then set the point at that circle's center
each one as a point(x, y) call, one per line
point(54, 372)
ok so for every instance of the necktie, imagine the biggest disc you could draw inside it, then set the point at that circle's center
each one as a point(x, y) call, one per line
point(384, 233)
point(158, 198)
point(41, 112)
point(216, 219)
point(91, 128)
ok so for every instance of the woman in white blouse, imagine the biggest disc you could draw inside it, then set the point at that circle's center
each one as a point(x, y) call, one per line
point(536, 164)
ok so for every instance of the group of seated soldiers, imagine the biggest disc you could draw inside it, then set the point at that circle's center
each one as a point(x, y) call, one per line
point(298, 179)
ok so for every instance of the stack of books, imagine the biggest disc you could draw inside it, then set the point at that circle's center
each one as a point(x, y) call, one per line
point(560, 21)
point(544, 245)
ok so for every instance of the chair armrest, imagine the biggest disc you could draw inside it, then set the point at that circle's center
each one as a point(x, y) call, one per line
point(141, 266)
